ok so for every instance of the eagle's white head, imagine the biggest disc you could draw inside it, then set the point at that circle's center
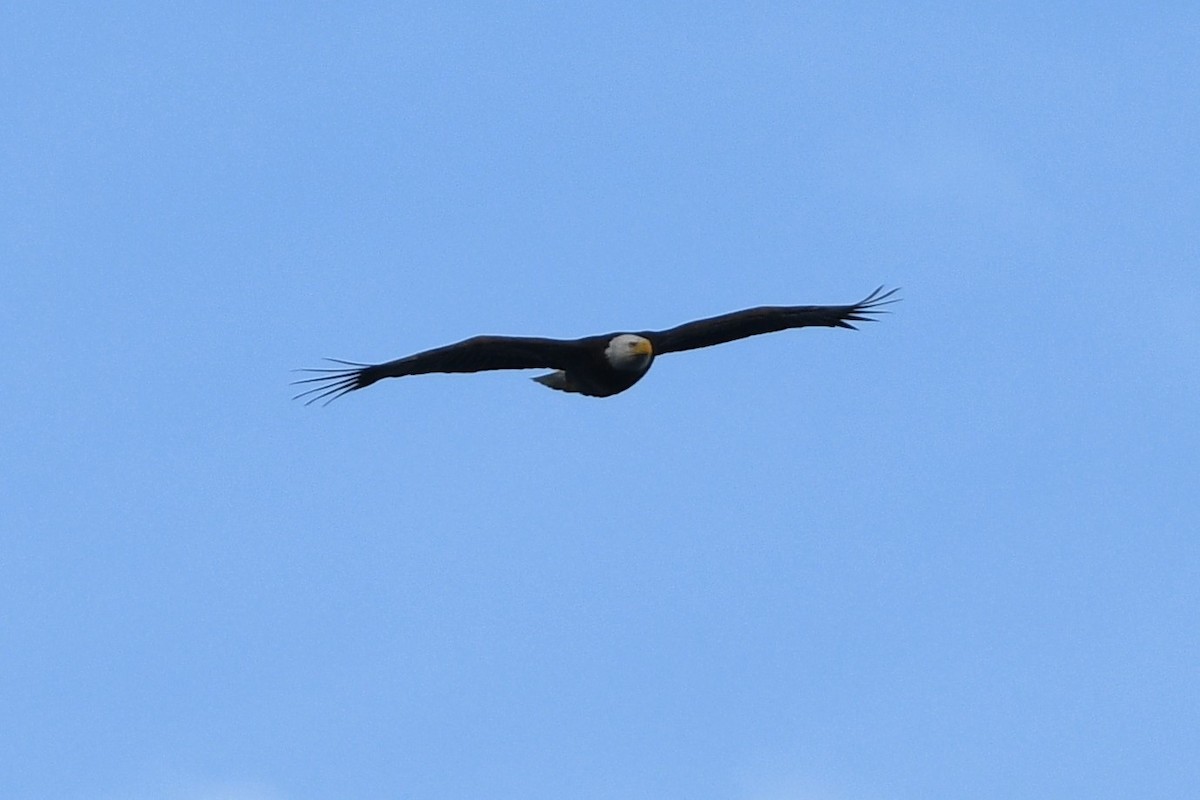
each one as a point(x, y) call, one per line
point(629, 351)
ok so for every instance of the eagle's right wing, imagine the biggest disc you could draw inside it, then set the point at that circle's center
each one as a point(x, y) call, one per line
point(477, 354)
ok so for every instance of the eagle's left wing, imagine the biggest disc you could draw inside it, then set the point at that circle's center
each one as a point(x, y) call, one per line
point(767, 319)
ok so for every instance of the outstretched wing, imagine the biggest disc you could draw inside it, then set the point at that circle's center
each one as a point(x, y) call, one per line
point(477, 354)
point(767, 319)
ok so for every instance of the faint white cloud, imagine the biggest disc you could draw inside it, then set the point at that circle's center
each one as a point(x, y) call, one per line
point(797, 787)
point(777, 782)
point(794, 790)
point(938, 165)
point(1166, 333)
point(232, 791)
point(190, 789)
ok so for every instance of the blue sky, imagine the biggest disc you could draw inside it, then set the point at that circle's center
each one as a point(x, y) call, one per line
point(951, 555)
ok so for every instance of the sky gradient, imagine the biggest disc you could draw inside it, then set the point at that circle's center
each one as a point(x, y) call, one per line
point(954, 554)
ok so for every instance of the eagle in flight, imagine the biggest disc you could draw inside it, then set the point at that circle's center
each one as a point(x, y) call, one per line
point(598, 366)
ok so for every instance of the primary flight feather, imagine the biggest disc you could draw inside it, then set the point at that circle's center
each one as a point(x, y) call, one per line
point(599, 366)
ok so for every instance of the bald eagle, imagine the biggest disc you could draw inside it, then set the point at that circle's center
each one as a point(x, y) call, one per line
point(598, 366)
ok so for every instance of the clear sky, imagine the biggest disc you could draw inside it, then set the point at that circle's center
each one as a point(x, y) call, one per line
point(952, 555)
